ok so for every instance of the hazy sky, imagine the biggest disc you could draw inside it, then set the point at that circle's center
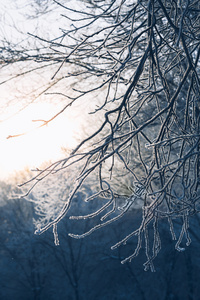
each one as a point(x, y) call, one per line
point(37, 145)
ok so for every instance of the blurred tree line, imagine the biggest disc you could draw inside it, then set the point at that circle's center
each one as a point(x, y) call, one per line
point(32, 267)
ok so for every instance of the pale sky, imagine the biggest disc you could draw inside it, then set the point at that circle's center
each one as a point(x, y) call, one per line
point(37, 145)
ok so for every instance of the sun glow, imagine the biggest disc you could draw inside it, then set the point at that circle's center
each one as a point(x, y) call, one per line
point(30, 144)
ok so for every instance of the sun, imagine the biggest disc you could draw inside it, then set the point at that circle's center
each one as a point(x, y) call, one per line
point(30, 144)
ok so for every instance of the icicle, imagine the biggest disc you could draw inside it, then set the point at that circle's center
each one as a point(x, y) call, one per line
point(171, 227)
point(55, 233)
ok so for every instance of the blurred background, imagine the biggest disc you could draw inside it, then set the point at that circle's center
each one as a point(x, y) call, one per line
point(31, 266)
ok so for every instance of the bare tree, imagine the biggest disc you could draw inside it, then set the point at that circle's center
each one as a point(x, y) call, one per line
point(140, 59)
